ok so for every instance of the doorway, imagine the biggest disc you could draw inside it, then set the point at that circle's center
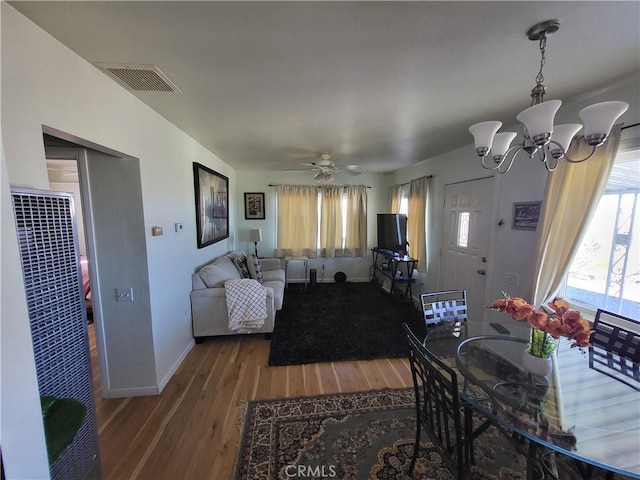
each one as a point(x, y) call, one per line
point(109, 197)
point(466, 240)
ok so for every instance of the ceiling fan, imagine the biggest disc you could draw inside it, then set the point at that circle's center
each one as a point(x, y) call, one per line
point(325, 168)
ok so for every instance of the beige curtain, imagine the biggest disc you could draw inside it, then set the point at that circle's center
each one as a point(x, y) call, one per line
point(356, 222)
point(396, 197)
point(297, 220)
point(331, 221)
point(572, 195)
point(416, 220)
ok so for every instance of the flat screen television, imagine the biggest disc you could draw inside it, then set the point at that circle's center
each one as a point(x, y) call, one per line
point(392, 231)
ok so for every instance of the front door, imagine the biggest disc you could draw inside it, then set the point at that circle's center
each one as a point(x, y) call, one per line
point(465, 241)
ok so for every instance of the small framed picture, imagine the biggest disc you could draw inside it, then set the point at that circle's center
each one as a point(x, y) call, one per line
point(526, 215)
point(254, 206)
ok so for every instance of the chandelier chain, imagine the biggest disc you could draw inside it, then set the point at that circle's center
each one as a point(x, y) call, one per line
point(543, 59)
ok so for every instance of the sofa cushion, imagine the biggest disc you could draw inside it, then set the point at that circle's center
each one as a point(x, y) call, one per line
point(255, 268)
point(215, 274)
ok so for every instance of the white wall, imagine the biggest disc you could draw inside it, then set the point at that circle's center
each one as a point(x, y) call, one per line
point(44, 83)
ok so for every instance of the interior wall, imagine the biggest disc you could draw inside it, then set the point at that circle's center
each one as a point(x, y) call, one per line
point(46, 86)
point(119, 261)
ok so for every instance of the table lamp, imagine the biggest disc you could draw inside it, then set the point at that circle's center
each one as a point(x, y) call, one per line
point(255, 235)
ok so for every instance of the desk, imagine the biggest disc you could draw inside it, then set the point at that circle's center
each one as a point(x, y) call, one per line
point(290, 259)
point(577, 411)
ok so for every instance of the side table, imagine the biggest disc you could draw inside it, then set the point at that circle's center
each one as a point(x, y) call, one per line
point(289, 259)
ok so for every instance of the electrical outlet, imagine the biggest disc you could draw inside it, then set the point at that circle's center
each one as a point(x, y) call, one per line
point(511, 279)
point(178, 227)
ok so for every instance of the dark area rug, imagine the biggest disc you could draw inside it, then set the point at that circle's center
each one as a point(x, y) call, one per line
point(365, 435)
point(341, 321)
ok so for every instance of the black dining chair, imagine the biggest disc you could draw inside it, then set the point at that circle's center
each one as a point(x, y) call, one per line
point(447, 420)
point(444, 306)
point(615, 351)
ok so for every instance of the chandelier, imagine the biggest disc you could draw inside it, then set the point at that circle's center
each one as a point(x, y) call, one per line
point(550, 143)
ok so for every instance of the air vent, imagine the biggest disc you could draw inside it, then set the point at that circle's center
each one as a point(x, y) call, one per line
point(140, 78)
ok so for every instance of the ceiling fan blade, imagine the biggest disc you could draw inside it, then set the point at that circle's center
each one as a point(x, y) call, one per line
point(352, 172)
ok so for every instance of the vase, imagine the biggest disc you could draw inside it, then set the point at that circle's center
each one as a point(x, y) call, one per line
point(536, 365)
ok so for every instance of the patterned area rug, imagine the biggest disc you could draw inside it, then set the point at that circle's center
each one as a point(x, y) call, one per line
point(360, 436)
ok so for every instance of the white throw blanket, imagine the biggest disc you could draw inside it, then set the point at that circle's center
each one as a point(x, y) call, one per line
point(246, 304)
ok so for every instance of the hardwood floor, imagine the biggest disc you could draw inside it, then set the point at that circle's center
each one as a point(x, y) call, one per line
point(192, 430)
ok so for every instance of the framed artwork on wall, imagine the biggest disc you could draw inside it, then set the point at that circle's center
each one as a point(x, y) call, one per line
point(212, 205)
point(526, 215)
point(254, 206)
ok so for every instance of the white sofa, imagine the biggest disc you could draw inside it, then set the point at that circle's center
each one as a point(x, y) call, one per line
point(208, 301)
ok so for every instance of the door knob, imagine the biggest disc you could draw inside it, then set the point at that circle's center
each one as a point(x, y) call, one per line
point(481, 271)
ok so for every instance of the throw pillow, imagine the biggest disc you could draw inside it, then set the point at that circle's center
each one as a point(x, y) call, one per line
point(241, 265)
point(255, 268)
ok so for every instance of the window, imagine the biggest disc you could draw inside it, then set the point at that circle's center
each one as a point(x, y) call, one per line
point(328, 222)
point(463, 229)
point(605, 272)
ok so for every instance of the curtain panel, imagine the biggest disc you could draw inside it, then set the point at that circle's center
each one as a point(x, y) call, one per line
point(396, 198)
point(342, 221)
point(416, 220)
point(572, 195)
point(356, 222)
point(297, 220)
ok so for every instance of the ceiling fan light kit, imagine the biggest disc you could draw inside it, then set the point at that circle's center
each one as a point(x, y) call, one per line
point(325, 169)
point(540, 137)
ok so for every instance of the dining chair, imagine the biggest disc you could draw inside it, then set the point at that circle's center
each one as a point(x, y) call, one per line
point(615, 349)
point(617, 334)
point(447, 420)
point(444, 306)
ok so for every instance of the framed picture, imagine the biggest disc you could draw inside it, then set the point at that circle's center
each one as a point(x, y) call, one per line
point(254, 206)
point(212, 205)
point(526, 215)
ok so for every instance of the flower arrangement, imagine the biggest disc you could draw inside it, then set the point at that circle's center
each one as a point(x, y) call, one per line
point(562, 322)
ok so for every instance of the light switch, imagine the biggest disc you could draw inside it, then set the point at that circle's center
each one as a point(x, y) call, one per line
point(156, 231)
point(124, 294)
point(178, 227)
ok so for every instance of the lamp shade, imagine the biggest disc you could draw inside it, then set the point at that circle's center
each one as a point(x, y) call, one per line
point(502, 142)
point(539, 118)
point(599, 117)
point(563, 134)
point(483, 134)
point(255, 235)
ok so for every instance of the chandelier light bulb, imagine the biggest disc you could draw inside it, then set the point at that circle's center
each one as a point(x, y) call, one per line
point(483, 134)
point(599, 119)
point(538, 119)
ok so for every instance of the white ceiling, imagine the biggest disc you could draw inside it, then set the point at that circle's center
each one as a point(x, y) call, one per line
point(267, 85)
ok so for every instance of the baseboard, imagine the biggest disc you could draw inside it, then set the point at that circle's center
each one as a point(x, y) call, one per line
point(131, 392)
point(174, 367)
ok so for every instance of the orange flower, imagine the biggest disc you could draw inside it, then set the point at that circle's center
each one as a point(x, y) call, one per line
point(563, 322)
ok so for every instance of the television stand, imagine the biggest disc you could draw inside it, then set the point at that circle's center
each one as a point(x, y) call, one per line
point(393, 270)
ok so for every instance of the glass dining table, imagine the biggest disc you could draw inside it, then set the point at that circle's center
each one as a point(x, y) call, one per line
point(587, 410)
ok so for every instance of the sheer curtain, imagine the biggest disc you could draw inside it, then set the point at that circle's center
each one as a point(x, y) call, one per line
point(356, 222)
point(416, 220)
point(297, 220)
point(572, 195)
point(396, 198)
